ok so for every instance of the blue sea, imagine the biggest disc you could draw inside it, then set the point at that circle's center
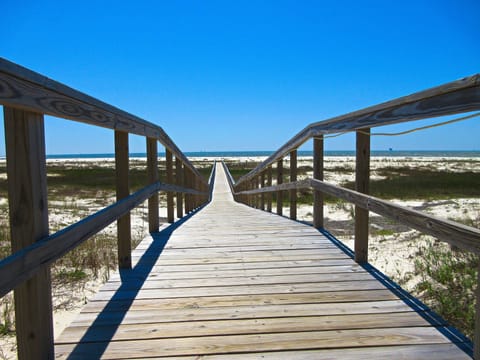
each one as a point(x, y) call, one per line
point(204, 154)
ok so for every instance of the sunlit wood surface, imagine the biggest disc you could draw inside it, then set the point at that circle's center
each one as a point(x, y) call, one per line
point(232, 282)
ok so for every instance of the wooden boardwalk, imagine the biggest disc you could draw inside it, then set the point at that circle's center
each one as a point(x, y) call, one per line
point(233, 282)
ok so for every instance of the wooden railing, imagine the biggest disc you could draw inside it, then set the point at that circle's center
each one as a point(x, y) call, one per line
point(255, 188)
point(26, 96)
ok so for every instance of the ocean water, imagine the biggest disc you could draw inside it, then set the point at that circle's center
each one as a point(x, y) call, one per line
point(204, 154)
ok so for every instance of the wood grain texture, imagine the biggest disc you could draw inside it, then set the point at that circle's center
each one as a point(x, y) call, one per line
point(362, 181)
point(169, 170)
point(179, 182)
point(124, 233)
point(27, 189)
point(269, 183)
point(153, 177)
point(318, 175)
point(456, 234)
point(452, 98)
point(25, 89)
point(293, 178)
point(279, 182)
point(233, 281)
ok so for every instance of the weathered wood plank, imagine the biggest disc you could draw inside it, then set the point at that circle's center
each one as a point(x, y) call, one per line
point(196, 274)
point(256, 342)
point(242, 290)
point(407, 352)
point(27, 190)
point(134, 283)
point(242, 326)
point(169, 170)
point(237, 300)
point(243, 312)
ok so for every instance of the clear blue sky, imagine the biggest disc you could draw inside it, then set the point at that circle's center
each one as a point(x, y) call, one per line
point(245, 75)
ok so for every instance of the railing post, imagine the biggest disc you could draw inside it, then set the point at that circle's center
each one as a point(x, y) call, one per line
point(27, 197)
point(262, 195)
point(318, 198)
point(179, 181)
point(362, 176)
point(293, 178)
point(253, 198)
point(280, 192)
point(169, 170)
point(197, 197)
point(123, 224)
point(269, 183)
point(187, 183)
point(152, 175)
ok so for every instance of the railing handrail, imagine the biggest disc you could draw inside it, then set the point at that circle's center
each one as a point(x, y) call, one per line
point(452, 98)
point(24, 88)
point(23, 264)
point(27, 96)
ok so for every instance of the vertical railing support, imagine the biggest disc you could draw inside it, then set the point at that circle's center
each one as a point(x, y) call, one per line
point(254, 185)
point(152, 175)
point(179, 181)
point(124, 242)
point(27, 191)
point(318, 198)
point(188, 184)
point(169, 170)
point(262, 195)
point(362, 176)
point(280, 192)
point(269, 183)
point(293, 178)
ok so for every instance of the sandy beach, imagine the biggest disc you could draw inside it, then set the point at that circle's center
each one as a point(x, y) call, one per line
point(392, 249)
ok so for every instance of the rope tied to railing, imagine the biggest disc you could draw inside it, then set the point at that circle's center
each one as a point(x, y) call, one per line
point(471, 116)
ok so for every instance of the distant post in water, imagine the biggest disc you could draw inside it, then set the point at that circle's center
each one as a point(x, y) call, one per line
point(27, 193)
point(169, 169)
point(362, 177)
point(318, 198)
point(293, 178)
point(123, 223)
point(280, 192)
point(152, 174)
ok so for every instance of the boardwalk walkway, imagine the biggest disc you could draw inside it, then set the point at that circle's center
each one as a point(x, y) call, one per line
point(238, 283)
